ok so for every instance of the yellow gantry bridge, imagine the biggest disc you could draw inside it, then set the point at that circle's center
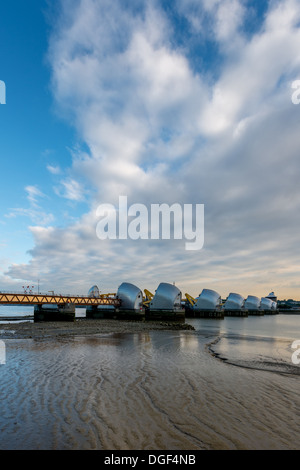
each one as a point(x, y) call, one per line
point(42, 299)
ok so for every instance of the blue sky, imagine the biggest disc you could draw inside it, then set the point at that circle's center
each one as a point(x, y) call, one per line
point(33, 137)
point(164, 102)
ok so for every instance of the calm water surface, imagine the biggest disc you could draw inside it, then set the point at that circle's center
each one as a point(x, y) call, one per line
point(230, 384)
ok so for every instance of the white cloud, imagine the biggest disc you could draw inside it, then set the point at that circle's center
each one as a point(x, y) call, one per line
point(159, 129)
point(70, 189)
point(55, 170)
point(229, 18)
point(34, 212)
point(36, 215)
point(33, 193)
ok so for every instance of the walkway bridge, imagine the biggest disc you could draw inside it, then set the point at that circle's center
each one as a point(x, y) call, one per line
point(61, 300)
point(59, 307)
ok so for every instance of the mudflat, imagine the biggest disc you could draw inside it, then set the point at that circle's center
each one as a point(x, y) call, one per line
point(84, 326)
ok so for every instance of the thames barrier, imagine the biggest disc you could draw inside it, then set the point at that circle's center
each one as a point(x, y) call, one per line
point(130, 302)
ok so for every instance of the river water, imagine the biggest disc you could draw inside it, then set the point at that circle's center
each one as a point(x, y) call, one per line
point(230, 384)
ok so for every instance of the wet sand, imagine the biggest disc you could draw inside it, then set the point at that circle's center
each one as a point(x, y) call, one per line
point(125, 385)
point(84, 326)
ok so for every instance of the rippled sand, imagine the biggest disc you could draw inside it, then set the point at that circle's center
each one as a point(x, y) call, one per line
point(155, 390)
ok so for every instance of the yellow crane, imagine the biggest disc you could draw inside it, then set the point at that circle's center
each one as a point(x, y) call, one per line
point(149, 297)
point(190, 299)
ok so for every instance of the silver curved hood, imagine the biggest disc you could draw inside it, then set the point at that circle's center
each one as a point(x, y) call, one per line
point(208, 300)
point(252, 302)
point(94, 292)
point(266, 304)
point(167, 297)
point(234, 302)
point(131, 296)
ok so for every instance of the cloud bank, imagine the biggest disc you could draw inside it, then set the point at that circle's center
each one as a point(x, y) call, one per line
point(188, 103)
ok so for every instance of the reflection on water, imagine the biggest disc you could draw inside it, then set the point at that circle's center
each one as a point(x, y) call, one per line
point(159, 390)
point(256, 353)
point(14, 312)
point(255, 342)
point(273, 326)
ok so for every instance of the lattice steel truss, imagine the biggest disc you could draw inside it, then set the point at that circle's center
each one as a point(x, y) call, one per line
point(40, 299)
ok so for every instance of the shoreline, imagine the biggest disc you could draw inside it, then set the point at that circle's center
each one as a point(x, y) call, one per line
point(85, 326)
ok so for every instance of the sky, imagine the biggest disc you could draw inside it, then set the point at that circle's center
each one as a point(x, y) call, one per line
point(186, 102)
